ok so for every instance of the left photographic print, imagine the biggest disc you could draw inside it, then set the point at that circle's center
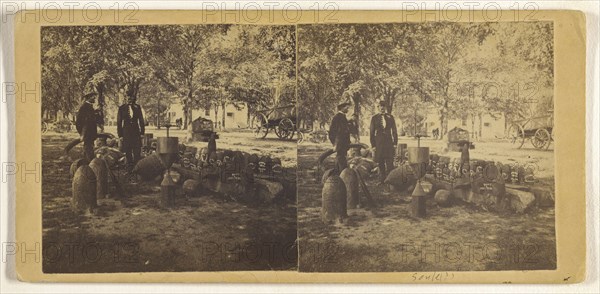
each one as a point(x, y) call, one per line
point(168, 148)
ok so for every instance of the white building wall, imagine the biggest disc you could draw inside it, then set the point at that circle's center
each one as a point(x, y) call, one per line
point(491, 126)
point(234, 117)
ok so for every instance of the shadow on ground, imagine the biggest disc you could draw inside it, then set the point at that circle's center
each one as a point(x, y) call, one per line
point(135, 234)
point(388, 239)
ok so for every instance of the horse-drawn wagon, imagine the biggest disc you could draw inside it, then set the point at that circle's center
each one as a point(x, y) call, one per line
point(282, 120)
point(540, 130)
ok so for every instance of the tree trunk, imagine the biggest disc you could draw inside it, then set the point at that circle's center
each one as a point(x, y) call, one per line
point(441, 126)
point(185, 110)
point(356, 99)
point(480, 124)
point(390, 104)
point(158, 113)
point(505, 122)
point(472, 126)
point(248, 119)
point(223, 115)
point(216, 115)
point(444, 128)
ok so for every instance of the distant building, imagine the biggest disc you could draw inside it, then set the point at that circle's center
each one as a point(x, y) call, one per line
point(110, 114)
point(236, 115)
point(492, 125)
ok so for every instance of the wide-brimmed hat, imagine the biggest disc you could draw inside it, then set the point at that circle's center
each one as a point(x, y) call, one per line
point(89, 95)
point(381, 103)
point(343, 103)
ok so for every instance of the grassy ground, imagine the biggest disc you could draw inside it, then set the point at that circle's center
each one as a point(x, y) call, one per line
point(458, 238)
point(135, 234)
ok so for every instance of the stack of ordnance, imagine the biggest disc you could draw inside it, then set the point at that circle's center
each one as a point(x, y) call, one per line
point(90, 180)
point(235, 174)
point(341, 190)
point(90, 183)
point(238, 162)
point(492, 185)
point(450, 168)
point(111, 155)
point(489, 184)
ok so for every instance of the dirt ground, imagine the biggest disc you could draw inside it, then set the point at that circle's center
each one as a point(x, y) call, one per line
point(135, 234)
point(457, 238)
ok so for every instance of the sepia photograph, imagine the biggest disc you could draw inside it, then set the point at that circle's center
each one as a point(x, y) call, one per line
point(426, 147)
point(265, 147)
point(168, 148)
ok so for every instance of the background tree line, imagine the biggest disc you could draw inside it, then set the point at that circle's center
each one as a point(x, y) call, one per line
point(202, 66)
point(462, 70)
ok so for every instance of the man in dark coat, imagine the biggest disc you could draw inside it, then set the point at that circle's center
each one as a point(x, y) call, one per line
point(353, 125)
point(85, 123)
point(384, 138)
point(130, 129)
point(100, 117)
point(339, 135)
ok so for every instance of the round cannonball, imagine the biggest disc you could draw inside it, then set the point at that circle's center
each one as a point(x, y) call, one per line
point(443, 198)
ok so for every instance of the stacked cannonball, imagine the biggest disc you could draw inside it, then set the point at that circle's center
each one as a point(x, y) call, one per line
point(449, 169)
point(111, 155)
point(196, 159)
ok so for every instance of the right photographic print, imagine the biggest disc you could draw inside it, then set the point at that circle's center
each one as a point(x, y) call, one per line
point(426, 147)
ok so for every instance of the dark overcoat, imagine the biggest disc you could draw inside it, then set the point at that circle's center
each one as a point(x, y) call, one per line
point(85, 122)
point(130, 124)
point(339, 133)
point(383, 138)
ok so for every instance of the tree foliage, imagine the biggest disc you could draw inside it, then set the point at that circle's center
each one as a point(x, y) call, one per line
point(460, 70)
point(198, 65)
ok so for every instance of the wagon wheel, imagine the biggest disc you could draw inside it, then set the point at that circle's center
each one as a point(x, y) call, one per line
point(293, 131)
point(325, 137)
point(44, 127)
point(516, 135)
point(280, 132)
point(300, 137)
point(551, 138)
point(286, 128)
point(320, 136)
point(261, 126)
point(541, 138)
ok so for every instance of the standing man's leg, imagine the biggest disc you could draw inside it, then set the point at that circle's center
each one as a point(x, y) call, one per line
point(128, 151)
point(340, 160)
point(382, 171)
point(389, 165)
point(137, 150)
point(71, 145)
point(88, 150)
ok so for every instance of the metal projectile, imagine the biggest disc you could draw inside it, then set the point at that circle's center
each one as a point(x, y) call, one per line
point(418, 201)
point(167, 189)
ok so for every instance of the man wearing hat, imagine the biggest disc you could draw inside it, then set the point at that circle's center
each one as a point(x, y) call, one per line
point(384, 138)
point(339, 135)
point(130, 129)
point(85, 123)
